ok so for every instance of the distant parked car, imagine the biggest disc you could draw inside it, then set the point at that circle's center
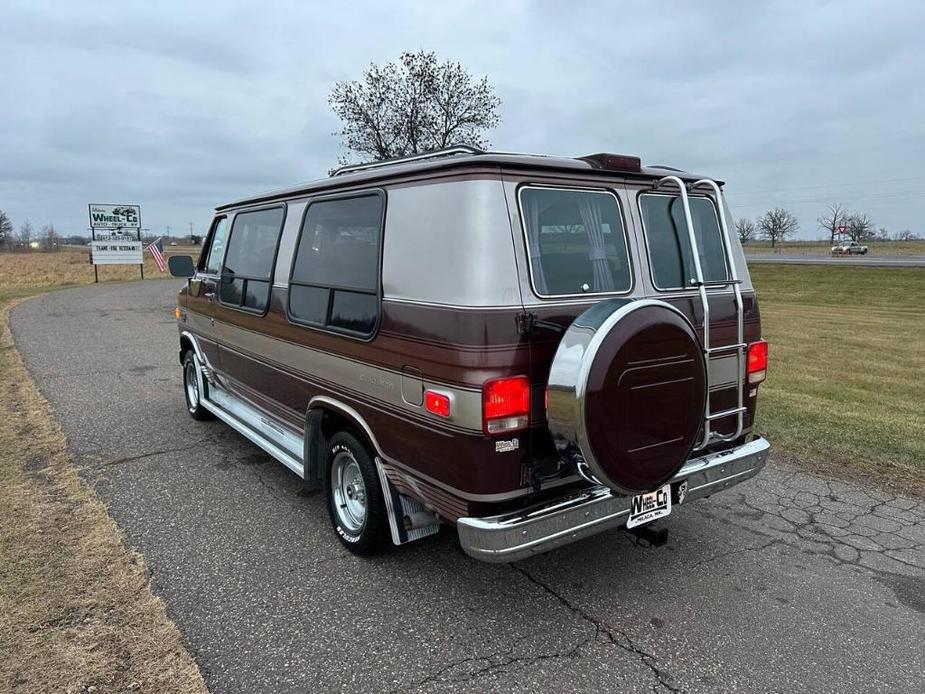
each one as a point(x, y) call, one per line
point(173, 243)
point(849, 248)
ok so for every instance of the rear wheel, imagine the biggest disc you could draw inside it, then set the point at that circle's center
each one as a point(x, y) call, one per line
point(355, 502)
point(191, 389)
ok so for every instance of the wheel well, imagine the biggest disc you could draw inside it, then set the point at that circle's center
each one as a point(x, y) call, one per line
point(186, 345)
point(326, 421)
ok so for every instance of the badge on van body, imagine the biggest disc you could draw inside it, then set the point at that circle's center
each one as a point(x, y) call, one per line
point(507, 446)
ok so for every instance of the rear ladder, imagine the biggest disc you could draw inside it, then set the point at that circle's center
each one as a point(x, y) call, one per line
point(739, 347)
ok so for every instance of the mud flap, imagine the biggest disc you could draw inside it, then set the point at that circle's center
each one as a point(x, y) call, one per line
point(409, 520)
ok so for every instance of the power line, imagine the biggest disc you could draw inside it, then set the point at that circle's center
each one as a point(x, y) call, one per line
point(829, 185)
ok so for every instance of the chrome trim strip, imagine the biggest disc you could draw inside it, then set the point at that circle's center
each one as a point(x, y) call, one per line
point(521, 534)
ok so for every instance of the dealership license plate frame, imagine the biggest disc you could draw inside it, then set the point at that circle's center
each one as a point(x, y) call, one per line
point(645, 508)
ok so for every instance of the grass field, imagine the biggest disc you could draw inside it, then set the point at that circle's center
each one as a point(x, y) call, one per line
point(881, 248)
point(76, 610)
point(22, 274)
point(847, 365)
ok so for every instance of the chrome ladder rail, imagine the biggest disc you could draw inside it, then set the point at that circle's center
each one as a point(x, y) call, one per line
point(698, 280)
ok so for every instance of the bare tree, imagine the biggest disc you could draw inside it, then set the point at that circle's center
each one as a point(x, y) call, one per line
point(6, 231)
point(415, 105)
point(776, 225)
point(906, 235)
point(745, 228)
point(860, 227)
point(25, 234)
point(834, 217)
point(49, 238)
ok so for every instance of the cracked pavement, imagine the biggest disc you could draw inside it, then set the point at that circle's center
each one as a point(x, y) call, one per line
point(788, 582)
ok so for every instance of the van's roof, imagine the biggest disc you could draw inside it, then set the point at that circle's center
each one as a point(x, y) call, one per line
point(402, 167)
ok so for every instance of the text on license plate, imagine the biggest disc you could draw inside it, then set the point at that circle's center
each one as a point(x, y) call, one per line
point(648, 507)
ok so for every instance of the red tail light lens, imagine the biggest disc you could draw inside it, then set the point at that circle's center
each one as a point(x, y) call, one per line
point(506, 404)
point(438, 403)
point(757, 362)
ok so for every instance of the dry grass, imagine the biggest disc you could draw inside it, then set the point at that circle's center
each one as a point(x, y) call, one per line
point(76, 609)
point(68, 267)
point(880, 248)
point(846, 367)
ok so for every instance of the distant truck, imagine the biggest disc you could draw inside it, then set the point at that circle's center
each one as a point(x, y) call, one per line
point(849, 248)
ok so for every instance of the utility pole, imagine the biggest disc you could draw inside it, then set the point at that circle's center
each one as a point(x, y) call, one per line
point(190, 232)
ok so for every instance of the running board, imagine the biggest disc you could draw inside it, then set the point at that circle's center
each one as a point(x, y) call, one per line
point(235, 414)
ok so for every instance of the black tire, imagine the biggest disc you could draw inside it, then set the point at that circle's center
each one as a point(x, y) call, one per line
point(363, 537)
point(191, 392)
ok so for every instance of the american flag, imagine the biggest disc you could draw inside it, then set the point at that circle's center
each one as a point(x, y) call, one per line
point(157, 252)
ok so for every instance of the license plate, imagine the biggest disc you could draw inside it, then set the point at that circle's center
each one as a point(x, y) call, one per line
point(648, 507)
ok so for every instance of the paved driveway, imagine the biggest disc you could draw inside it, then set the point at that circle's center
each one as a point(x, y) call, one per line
point(787, 583)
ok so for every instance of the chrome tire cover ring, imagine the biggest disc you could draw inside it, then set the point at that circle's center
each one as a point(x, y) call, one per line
point(569, 377)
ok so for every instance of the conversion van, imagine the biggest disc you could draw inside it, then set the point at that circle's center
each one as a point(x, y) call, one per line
point(532, 349)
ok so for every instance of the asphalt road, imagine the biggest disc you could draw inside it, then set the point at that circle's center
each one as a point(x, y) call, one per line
point(868, 260)
point(787, 583)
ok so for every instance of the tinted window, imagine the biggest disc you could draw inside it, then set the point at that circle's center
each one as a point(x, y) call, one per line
point(217, 246)
point(335, 276)
point(576, 241)
point(246, 274)
point(669, 244)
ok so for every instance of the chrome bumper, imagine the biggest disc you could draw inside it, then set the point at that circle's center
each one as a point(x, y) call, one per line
point(513, 536)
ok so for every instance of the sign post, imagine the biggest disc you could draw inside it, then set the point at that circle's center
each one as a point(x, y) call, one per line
point(115, 236)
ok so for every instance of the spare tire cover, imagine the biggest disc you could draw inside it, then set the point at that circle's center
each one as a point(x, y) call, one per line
point(627, 391)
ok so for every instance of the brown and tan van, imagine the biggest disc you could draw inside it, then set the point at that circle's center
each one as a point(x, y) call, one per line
point(532, 349)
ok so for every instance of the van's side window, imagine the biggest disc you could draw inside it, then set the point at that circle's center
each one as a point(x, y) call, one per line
point(669, 243)
point(213, 262)
point(247, 272)
point(335, 276)
point(576, 242)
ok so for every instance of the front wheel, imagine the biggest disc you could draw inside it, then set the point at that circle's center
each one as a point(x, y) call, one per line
point(355, 502)
point(191, 388)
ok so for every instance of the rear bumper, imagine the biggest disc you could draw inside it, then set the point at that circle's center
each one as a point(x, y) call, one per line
point(514, 536)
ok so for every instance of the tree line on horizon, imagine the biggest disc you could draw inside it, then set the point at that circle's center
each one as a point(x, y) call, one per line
point(47, 238)
point(779, 224)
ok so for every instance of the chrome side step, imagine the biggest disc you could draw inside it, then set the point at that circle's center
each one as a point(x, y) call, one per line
point(245, 420)
point(408, 519)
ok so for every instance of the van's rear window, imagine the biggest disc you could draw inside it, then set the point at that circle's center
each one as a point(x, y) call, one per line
point(576, 242)
point(669, 243)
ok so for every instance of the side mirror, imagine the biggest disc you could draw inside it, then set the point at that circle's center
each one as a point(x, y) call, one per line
point(181, 266)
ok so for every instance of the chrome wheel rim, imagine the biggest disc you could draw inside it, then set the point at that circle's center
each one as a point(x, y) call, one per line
point(349, 492)
point(192, 386)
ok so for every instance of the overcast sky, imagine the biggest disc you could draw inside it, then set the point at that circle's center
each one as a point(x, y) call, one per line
point(182, 106)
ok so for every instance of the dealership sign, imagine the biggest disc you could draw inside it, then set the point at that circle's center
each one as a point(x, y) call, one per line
point(115, 216)
point(117, 252)
point(116, 235)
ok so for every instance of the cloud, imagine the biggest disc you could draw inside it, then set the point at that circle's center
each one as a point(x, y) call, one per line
point(183, 106)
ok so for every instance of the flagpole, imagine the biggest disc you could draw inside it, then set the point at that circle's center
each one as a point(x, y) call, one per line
point(142, 266)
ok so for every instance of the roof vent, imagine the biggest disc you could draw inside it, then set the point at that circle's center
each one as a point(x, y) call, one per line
point(613, 162)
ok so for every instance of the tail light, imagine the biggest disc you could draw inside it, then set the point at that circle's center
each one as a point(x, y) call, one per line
point(505, 405)
point(757, 362)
